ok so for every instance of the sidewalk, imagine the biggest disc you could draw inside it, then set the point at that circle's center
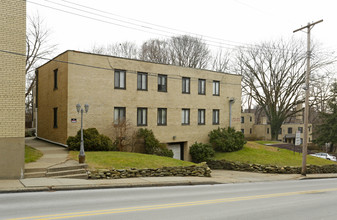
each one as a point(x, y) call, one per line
point(54, 154)
point(218, 177)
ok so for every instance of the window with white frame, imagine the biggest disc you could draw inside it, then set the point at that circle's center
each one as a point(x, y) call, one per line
point(162, 116)
point(201, 116)
point(216, 88)
point(162, 83)
point(141, 81)
point(141, 116)
point(119, 115)
point(185, 116)
point(201, 86)
point(186, 85)
point(215, 116)
point(120, 79)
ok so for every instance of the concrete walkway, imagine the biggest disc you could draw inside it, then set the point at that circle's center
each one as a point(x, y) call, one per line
point(54, 154)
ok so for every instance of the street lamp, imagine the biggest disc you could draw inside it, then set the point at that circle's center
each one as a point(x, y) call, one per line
point(81, 156)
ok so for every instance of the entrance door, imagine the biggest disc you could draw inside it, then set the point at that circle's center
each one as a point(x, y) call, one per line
point(177, 149)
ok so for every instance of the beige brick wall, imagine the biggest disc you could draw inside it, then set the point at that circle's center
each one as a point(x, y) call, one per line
point(248, 124)
point(12, 87)
point(96, 87)
point(50, 98)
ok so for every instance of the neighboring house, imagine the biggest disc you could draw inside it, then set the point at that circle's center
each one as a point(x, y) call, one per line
point(260, 129)
point(181, 105)
point(12, 88)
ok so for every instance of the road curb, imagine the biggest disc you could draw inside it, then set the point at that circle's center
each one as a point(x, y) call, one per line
point(87, 187)
point(318, 177)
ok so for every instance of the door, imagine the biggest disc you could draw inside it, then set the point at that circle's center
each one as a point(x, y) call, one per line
point(176, 148)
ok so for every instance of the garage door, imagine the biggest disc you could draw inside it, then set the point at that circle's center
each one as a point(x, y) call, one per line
point(176, 148)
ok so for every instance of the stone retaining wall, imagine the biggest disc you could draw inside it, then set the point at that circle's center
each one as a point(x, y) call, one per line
point(201, 170)
point(227, 165)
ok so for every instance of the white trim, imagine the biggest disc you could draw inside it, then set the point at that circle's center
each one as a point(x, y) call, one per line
point(53, 142)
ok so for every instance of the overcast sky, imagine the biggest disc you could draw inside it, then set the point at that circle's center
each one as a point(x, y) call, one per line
point(231, 22)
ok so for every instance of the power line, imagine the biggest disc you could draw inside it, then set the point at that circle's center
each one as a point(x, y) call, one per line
point(161, 26)
point(229, 46)
point(151, 74)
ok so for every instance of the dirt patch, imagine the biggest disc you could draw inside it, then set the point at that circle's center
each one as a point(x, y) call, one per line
point(260, 146)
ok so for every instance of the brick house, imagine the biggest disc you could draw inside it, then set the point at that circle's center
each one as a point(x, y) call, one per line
point(181, 105)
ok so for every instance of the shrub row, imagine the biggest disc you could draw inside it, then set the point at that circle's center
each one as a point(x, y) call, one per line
point(152, 145)
point(93, 141)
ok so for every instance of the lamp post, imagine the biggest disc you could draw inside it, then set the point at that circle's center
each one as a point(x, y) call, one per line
point(81, 156)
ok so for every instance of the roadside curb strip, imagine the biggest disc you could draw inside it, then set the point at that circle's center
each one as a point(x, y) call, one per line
point(318, 177)
point(127, 185)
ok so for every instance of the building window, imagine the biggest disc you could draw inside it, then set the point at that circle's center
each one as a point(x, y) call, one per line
point(309, 128)
point(215, 116)
point(55, 79)
point(242, 119)
point(243, 131)
point(280, 131)
point(300, 129)
point(290, 130)
point(216, 88)
point(186, 85)
point(161, 116)
point(185, 116)
point(141, 81)
point(250, 118)
point(119, 115)
point(201, 86)
point(162, 83)
point(201, 116)
point(301, 141)
point(120, 79)
point(250, 131)
point(141, 116)
point(267, 130)
point(55, 117)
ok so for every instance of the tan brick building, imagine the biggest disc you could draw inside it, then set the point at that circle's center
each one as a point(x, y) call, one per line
point(181, 105)
point(262, 130)
point(12, 87)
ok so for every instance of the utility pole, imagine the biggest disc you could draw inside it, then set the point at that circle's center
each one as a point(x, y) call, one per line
point(306, 108)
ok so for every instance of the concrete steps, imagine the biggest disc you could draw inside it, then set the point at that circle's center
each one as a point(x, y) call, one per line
point(35, 172)
point(61, 173)
point(69, 169)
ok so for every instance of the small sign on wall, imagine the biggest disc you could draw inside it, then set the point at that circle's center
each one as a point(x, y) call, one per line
point(73, 120)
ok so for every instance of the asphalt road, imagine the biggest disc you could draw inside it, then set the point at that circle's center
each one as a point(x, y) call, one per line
point(300, 199)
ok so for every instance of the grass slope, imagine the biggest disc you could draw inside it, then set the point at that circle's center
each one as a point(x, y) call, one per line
point(260, 154)
point(32, 154)
point(122, 160)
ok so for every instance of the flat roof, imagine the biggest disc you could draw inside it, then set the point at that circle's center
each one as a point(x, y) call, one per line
point(88, 53)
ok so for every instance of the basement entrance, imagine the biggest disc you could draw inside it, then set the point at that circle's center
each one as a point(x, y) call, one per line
point(178, 150)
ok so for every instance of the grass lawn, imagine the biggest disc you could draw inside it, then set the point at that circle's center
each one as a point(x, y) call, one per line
point(32, 154)
point(122, 160)
point(260, 154)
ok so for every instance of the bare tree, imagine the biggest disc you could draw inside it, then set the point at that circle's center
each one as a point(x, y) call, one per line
point(124, 49)
point(220, 61)
point(189, 51)
point(125, 135)
point(273, 75)
point(155, 50)
point(37, 45)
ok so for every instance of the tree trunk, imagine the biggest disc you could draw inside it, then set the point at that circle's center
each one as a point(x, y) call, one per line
point(275, 126)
